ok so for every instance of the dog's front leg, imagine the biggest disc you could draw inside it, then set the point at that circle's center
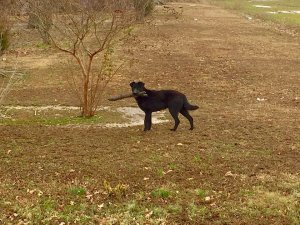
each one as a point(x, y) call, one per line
point(147, 122)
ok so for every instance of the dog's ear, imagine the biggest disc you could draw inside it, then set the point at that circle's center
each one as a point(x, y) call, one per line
point(141, 84)
point(132, 83)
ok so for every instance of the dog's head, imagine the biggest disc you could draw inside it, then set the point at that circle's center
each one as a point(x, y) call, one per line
point(137, 87)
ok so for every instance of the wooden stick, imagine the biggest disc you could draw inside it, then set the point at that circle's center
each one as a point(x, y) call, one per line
point(119, 97)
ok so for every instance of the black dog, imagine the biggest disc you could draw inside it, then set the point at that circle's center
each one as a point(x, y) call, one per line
point(151, 101)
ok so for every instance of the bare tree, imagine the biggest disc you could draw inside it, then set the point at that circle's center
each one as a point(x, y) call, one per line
point(89, 31)
point(8, 78)
point(40, 17)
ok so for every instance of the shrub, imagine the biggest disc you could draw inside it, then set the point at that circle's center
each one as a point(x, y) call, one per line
point(118, 191)
point(143, 8)
point(149, 7)
point(4, 36)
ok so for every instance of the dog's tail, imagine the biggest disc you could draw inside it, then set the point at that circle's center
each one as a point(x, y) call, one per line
point(188, 106)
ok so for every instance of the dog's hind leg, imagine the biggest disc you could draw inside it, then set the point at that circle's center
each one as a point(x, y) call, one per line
point(148, 121)
point(186, 114)
point(174, 113)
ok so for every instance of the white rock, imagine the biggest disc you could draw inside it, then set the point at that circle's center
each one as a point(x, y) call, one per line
point(229, 174)
point(207, 199)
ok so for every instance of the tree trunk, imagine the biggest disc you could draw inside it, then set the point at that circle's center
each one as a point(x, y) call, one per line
point(86, 111)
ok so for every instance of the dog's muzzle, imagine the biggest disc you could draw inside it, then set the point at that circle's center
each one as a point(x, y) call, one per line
point(141, 93)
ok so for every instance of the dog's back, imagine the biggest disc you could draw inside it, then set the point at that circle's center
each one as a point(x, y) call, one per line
point(162, 99)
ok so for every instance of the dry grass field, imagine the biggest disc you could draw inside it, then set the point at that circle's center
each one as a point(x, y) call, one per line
point(239, 166)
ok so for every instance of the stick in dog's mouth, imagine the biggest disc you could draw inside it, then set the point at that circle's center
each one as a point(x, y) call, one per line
point(130, 95)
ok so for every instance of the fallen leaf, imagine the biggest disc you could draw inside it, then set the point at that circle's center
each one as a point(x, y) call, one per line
point(101, 206)
point(261, 99)
point(148, 215)
point(89, 196)
point(230, 174)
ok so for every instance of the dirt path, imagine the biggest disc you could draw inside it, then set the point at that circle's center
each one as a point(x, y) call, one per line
point(245, 77)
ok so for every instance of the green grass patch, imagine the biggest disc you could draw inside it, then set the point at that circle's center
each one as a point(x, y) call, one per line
point(62, 119)
point(43, 46)
point(273, 204)
point(198, 212)
point(54, 121)
point(249, 7)
point(133, 212)
point(132, 207)
point(197, 158)
point(200, 192)
point(160, 172)
point(173, 166)
point(174, 208)
point(40, 212)
point(77, 191)
point(247, 192)
point(161, 193)
point(155, 157)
